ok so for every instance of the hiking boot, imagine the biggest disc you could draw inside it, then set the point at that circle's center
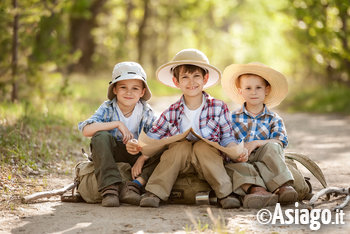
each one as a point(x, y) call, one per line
point(130, 193)
point(149, 200)
point(287, 194)
point(110, 196)
point(258, 198)
point(229, 202)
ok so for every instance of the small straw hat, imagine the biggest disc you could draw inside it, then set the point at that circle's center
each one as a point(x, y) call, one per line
point(192, 57)
point(278, 82)
point(128, 71)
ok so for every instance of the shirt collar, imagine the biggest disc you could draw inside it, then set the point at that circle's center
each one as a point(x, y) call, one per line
point(265, 111)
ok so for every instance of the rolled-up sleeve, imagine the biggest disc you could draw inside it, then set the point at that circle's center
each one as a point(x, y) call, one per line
point(278, 131)
point(102, 114)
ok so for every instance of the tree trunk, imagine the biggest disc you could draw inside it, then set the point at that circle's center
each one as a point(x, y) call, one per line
point(14, 93)
point(142, 36)
point(81, 38)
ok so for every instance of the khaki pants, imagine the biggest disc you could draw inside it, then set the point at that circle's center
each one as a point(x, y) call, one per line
point(265, 168)
point(185, 157)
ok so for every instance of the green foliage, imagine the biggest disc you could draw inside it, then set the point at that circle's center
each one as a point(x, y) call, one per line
point(307, 40)
point(321, 99)
point(321, 36)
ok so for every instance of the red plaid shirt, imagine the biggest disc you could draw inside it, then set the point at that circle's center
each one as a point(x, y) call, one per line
point(214, 121)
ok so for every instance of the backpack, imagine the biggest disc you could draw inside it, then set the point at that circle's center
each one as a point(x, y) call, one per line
point(189, 189)
point(86, 180)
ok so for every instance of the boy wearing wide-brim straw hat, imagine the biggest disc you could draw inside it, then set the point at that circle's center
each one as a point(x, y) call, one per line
point(191, 72)
point(258, 88)
point(115, 122)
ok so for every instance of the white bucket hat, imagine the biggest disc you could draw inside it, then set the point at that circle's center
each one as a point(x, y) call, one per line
point(128, 71)
point(192, 57)
point(277, 81)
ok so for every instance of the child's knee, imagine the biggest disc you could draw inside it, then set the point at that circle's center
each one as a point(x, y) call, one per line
point(273, 146)
point(178, 151)
point(100, 136)
point(202, 148)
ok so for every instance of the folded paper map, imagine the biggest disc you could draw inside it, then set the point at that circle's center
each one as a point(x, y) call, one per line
point(152, 146)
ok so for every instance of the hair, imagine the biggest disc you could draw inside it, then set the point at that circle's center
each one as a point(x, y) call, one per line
point(190, 68)
point(238, 81)
point(143, 84)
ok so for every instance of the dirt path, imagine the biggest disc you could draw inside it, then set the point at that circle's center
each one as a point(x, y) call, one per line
point(325, 138)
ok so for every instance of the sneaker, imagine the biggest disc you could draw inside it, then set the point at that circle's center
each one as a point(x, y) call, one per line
point(259, 198)
point(287, 194)
point(149, 200)
point(229, 202)
point(110, 196)
point(130, 193)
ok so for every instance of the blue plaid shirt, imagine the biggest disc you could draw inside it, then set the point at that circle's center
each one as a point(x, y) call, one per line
point(214, 121)
point(266, 125)
point(107, 112)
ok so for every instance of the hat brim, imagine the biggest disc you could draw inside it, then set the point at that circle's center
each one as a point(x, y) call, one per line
point(278, 82)
point(164, 72)
point(145, 97)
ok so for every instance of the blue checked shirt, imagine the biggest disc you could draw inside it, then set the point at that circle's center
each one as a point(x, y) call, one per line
point(107, 112)
point(267, 125)
point(214, 121)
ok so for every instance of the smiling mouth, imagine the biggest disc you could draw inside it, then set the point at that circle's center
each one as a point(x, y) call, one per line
point(192, 88)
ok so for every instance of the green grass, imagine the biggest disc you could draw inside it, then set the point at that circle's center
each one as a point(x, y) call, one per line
point(321, 99)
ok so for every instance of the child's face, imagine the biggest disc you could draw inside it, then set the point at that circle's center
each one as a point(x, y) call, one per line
point(253, 89)
point(129, 92)
point(191, 84)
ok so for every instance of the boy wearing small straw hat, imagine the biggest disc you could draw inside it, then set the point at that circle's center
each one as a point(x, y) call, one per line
point(258, 88)
point(191, 72)
point(115, 122)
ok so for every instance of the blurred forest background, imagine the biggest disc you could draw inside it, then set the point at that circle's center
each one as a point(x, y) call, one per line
point(56, 58)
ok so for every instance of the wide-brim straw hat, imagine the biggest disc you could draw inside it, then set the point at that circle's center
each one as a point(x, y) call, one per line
point(277, 81)
point(128, 71)
point(192, 57)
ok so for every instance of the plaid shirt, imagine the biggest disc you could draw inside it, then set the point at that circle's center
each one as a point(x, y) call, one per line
point(107, 112)
point(267, 125)
point(214, 121)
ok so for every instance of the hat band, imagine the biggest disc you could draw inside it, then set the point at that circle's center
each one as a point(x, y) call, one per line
point(128, 73)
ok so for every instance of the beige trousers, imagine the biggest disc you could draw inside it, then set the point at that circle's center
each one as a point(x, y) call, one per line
point(186, 157)
point(266, 168)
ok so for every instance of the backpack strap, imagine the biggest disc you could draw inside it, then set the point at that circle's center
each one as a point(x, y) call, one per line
point(309, 164)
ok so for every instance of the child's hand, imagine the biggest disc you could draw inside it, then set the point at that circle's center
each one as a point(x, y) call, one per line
point(133, 147)
point(251, 146)
point(137, 168)
point(243, 157)
point(127, 135)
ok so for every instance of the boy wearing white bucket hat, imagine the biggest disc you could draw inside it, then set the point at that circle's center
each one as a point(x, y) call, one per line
point(115, 122)
point(191, 72)
point(257, 88)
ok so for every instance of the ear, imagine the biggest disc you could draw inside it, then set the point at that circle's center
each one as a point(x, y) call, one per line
point(267, 90)
point(143, 92)
point(239, 91)
point(206, 78)
point(176, 83)
point(115, 89)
